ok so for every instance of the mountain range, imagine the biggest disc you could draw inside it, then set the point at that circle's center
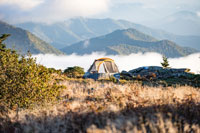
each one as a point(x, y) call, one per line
point(181, 23)
point(24, 41)
point(124, 42)
point(65, 33)
point(84, 36)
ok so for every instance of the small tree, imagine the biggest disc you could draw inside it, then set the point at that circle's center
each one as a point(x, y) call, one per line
point(23, 82)
point(74, 72)
point(165, 62)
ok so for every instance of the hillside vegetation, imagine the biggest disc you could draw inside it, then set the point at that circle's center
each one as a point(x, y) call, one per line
point(23, 83)
point(72, 31)
point(23, 41)
point(128, 41)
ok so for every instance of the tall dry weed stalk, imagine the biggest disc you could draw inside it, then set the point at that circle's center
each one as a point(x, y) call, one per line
point(90, 106)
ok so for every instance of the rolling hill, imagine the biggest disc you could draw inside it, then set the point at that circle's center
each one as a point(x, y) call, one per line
point(128, 41)
point(24, 41)
point(74, 30)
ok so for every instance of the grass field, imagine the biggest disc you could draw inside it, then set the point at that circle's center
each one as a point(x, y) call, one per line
point(101, 107)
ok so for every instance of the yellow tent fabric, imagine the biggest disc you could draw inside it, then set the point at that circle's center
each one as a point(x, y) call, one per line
point(109, 66)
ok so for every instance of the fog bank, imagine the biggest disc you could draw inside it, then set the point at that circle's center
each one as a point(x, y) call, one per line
point(123, 62)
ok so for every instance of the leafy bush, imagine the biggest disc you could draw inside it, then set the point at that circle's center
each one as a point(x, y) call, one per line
point(53, 70)
point(74, 72)
point(23, 82)
point(113, 79)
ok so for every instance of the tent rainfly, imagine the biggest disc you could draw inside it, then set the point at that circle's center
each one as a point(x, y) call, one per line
point(109, 66)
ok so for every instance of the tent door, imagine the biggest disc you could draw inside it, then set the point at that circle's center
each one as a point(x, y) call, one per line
point(105, 68)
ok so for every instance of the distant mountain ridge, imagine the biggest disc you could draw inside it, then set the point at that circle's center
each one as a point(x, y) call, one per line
point(124, 42)
point(71, 31)
point(24, 41)
point(181, 23)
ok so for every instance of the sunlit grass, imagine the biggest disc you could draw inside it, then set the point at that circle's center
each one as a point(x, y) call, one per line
point(97, 106)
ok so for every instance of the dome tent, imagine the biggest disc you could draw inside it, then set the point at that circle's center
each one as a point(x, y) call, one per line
point(109, 66)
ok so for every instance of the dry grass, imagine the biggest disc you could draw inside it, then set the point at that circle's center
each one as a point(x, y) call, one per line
point(99, 107)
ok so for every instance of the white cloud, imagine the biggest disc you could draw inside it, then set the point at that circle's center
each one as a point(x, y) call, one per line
point(59, 9)
point(49, 11)
point(191, 61)
point(198, 13)
point(55, 10)
point(162, 4)
point(123, 62)
point(155, 1)
point(22, 4)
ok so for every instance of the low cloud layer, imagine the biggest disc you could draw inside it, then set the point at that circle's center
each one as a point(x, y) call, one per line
point(123, 62)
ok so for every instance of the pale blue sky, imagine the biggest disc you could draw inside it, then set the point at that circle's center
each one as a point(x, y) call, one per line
point(140, 11)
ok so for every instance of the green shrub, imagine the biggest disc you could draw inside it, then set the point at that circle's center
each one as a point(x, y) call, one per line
point(74, 72)
point(113, 79)
point(23, 82)
point(165, 63)
point(53, 70)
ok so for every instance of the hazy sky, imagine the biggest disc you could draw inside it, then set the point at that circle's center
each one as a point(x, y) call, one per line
point(15, 11)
